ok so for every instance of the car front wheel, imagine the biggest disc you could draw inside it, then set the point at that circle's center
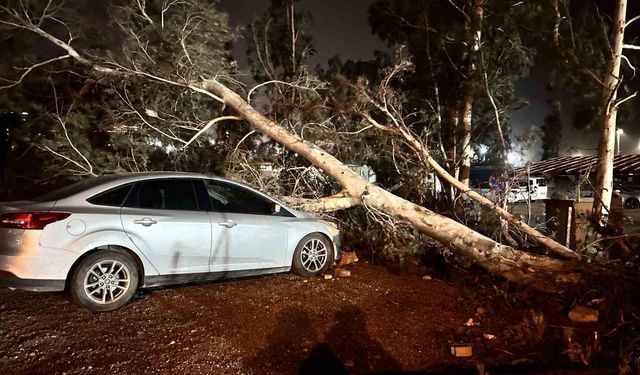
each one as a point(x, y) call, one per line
point(313, 255)
point(632, 203)
point(105, 280)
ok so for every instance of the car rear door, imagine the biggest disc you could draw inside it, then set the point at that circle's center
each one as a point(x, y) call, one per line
point(162, 219)
point(246, 234)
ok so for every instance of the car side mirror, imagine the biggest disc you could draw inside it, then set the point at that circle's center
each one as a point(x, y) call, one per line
point(617, 191)
point(274, 208)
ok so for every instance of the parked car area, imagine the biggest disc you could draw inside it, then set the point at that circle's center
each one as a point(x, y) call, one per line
point(103, 238)
point(631, 197)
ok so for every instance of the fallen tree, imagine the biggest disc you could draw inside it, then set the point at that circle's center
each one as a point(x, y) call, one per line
point(512, 264)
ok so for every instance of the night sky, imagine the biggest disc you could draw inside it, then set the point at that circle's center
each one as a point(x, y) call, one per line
point(341, 28)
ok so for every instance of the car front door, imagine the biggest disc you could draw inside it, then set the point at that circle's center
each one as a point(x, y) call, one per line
point(246, 233)
point(162, 219)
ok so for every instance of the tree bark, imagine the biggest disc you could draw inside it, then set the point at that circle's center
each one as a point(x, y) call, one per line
point(604, 179)
point(475, 34)
point(485, 202)
point(450, 144)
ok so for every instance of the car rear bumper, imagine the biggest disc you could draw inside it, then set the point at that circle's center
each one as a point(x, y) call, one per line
point(25, 264)
point(9, 280)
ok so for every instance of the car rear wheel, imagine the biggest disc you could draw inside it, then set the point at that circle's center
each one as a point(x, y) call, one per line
point(105, 280)
point(313, 255)
point(632, 203)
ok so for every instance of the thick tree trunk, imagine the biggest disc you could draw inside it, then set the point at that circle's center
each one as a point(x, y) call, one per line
point(475, 35)
point(485, 202)
point(512, 264)
point(465, 137)
point(450, 144)
point(604, 179)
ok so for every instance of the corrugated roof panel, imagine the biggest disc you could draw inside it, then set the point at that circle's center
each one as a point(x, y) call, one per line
point(580, 164)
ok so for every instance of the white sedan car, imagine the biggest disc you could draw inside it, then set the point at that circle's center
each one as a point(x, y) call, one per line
point(104, 237)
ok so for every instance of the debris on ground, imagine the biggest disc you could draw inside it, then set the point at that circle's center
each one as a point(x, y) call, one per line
point(480, 312)
point(328, 277)
point(471, 323)
point(489, 336)
point(342, 272)
point(426, 278)
point(461, 350)
point(348, 257)
point(581, 314)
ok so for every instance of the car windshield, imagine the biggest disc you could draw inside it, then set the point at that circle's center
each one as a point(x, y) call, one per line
point(73, 189)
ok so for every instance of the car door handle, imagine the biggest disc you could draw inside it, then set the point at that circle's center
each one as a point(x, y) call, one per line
point(146, 221)
point(228, 223)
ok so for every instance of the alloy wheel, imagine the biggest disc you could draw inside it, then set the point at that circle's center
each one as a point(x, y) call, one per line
point(107, 281)
point(314, 255)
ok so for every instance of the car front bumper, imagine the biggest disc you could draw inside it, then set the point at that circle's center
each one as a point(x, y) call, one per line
point(337, 243)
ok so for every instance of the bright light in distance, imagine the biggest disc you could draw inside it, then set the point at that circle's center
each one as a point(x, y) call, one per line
point(482, 149)
point(513, 158)
point(620, 131)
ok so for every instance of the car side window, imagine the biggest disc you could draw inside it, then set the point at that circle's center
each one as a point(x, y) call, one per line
point(113, 197)
point(233, 199)
point(170, 194)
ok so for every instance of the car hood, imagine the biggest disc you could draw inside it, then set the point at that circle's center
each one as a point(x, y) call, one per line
point(302, 214)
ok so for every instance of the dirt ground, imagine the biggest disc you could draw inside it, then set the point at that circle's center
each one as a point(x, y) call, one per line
point(375, 321)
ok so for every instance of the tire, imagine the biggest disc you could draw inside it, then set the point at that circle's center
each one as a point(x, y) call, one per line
point(306, 261)
point(632, 203)
point(116, 269)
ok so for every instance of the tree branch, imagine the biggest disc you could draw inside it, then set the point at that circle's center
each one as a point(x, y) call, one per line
point(32, 67)
point(332, 203)
point(208, 125)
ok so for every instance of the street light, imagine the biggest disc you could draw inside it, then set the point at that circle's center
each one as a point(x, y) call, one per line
point(619, 132)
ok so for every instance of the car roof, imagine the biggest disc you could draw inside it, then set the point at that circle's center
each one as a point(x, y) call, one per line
point(89, 187)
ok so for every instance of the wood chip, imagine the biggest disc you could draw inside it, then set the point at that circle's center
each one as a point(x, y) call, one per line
point(461, 350)
point(342, 272)
point(469, 322)
point(581, 314)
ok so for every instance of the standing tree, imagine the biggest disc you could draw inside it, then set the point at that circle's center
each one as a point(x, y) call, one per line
point(594, 59)
point(610, 104)
point(551, 132)
point(474, 36)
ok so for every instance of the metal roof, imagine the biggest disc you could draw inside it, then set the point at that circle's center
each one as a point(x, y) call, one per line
point(568, 165)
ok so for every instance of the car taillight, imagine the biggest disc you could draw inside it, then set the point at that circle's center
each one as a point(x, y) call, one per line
point(31, 220)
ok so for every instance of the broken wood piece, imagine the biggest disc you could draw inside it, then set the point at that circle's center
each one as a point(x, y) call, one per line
point(461, 350)
point(581, 314)
point(342, 272)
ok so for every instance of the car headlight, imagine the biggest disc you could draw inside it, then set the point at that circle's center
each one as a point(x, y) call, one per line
point(333, 228)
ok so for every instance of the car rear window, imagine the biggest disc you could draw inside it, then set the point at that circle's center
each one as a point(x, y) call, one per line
point(112, 197)
point(168, 194)
point(76, 188)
